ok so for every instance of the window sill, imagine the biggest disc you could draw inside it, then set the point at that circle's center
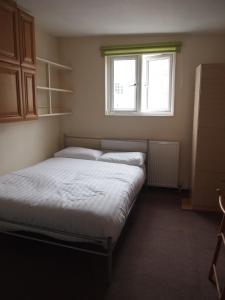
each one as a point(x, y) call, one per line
point(139, 114)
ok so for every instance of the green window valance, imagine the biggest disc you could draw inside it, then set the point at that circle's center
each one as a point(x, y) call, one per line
point(140, 49)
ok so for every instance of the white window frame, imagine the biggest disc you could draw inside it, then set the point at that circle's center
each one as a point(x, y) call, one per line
point(139, 86)
point(111, 62)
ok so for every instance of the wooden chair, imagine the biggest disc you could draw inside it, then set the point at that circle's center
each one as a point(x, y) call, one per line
point(213, 277)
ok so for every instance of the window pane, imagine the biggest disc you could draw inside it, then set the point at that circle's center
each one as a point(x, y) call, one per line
point(124, 84)
point(156, 84)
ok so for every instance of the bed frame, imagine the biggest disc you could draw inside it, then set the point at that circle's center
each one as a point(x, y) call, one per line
point(94, 245)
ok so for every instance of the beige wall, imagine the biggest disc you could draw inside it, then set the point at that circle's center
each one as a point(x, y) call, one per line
point(25, 143)
point(88, 117)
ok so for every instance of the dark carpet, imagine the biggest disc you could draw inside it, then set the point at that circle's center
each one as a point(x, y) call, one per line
point(164, 253)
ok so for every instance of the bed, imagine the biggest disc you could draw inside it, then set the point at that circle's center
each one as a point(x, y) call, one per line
point(76, 203)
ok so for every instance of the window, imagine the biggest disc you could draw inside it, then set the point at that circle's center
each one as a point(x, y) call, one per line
point(123, 86)
point(141, 84)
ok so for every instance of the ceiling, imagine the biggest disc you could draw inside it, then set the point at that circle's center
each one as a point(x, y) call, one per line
point(104, 17)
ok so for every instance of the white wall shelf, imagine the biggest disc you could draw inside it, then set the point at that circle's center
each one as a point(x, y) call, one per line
point(54, 64)
point(55, 114)
point(54, 89)
point(49, 108)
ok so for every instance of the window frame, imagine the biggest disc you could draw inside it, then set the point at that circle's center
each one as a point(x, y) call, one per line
point(139, 85)
point(111, 87)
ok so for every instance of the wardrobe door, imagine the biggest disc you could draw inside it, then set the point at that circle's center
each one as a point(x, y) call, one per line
point(27, 40)
point(11, 108)
point(9, 41)
point(29, 94)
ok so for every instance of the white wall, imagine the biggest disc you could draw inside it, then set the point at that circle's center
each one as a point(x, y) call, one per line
point(88, 117)
point(25, 143)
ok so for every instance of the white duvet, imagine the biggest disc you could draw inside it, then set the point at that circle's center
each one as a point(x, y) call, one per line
point(76, 196)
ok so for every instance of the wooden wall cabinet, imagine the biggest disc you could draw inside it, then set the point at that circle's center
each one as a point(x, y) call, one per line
point(27, 40)
point(29, 94)
point(11, 107)
point(208, 144)
point(9, 39)
point(17, 64)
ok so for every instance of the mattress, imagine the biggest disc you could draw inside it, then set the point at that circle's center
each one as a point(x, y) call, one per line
point(71, 195)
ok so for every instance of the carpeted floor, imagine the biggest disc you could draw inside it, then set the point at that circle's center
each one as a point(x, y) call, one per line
point(164, 253)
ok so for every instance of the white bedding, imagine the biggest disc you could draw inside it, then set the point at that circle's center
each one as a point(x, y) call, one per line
point(72, 195)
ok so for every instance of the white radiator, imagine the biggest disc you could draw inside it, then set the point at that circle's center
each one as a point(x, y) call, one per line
point(163, 164)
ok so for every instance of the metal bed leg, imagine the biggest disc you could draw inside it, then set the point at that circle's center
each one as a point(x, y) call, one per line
point(109, 268)
point(109, 260)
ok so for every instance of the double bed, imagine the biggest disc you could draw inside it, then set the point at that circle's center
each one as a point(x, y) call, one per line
point(77, 203)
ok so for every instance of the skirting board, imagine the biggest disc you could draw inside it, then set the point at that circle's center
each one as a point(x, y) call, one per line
point(187, 205)
point(205, 208)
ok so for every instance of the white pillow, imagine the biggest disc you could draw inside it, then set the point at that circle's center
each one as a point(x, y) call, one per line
point(127, 158)
point(79, 153)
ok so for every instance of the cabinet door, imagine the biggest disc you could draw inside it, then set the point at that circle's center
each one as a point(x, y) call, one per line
point(9, 41)
point(10, 93)
point(29, 94)
point(27, 40)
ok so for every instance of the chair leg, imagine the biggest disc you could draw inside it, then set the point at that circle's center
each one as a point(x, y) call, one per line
point(215, 258)
point(223, 295)
point(213, 276)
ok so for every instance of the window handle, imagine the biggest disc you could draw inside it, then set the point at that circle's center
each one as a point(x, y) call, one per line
point(135, 84)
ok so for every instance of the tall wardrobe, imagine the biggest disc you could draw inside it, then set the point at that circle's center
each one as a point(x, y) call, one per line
point(208, 145)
